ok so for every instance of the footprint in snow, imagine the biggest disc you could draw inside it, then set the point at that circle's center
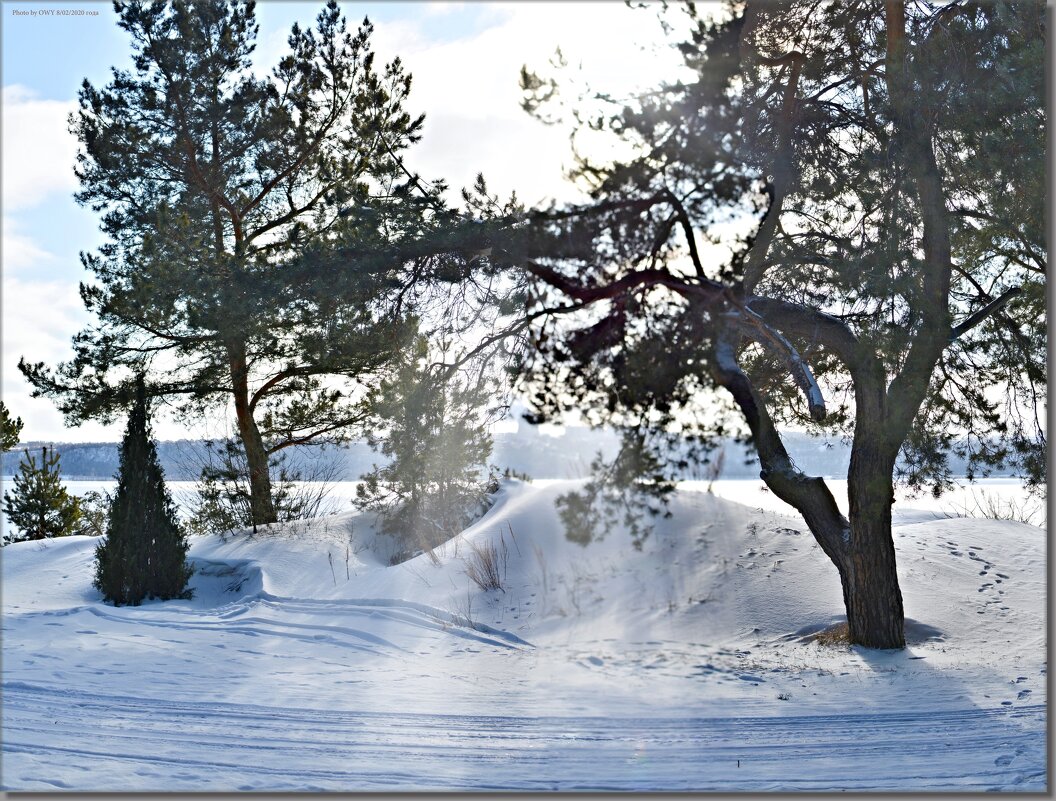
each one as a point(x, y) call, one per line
point(595, 660)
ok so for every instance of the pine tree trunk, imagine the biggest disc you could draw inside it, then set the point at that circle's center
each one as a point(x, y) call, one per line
point(262, 506)
point(261, 503)
point(875, 616)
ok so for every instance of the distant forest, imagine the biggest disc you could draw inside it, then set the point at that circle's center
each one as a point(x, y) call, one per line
point(526, 452)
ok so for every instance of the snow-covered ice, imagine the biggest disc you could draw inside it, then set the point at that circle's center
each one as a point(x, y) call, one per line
point(306, 662)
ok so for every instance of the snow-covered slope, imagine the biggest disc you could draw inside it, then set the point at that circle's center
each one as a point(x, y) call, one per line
point(304, 661)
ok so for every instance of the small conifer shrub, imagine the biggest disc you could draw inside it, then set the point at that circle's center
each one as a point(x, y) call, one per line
point(144, 554)
point(435, 435)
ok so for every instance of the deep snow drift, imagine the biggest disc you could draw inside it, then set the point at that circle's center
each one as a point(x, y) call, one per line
point(305, 662)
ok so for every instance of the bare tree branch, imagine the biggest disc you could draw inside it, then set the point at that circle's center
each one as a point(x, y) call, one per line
point(756, 327)
point(988, 310)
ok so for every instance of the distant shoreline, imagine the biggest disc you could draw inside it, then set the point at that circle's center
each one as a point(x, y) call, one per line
point(526, 451)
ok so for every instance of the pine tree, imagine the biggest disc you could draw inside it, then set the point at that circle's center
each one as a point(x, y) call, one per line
point(10, 429)
point(40, 507)
point(890, 287)
point(222, 189)
point(435, 433)
point(145, 551)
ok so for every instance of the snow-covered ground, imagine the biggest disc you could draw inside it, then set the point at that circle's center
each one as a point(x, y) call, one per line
point(306, 662)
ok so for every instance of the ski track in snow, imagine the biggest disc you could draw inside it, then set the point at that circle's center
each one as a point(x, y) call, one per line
point(231, 619)
point(141, 742)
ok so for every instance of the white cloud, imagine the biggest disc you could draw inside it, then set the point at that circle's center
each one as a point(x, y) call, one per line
point(39, 151)
point(21, 253)
point(469, 89)
point(439, 8)
point(39, 320)
point(38, 158)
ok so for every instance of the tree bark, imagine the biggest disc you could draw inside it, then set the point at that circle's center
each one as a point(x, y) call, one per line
point(262, 507)
point(875, 616)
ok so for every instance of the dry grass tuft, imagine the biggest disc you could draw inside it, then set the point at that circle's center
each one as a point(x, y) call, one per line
point(486, 563)
point(840, 634)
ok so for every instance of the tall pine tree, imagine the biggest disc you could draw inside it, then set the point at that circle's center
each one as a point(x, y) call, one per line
point(221, 191)
point(145, 551)
point(40, 507)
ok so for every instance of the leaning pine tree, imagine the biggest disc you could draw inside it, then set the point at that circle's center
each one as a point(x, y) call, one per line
point(145, 550)
point(885, 161)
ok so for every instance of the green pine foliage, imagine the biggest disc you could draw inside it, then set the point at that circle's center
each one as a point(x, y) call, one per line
point(40, 506)
point(247, 213)
point(433, 428)
point(144, 554)
point(10, 429)
point(801, 117)
point(95, 513)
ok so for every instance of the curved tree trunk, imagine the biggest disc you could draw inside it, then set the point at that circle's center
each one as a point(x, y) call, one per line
point(862, 548)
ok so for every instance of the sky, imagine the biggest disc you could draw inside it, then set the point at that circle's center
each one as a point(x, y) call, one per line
point(465, 58)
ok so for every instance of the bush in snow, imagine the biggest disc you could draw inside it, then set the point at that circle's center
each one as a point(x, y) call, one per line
point(486, 563)
point(224, 501)
point(95, 513)
point(144, 554)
